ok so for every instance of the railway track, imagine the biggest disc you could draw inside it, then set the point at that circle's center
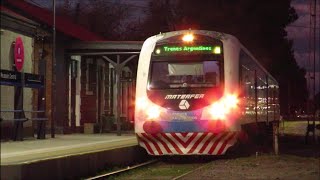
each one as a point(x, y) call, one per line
point(180, 167)
point(242, 159)
point(185, 164)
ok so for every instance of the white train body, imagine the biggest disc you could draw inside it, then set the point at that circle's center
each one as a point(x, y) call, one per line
point(195, 92)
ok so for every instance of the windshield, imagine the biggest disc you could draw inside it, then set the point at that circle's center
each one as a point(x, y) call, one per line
point(166, 75)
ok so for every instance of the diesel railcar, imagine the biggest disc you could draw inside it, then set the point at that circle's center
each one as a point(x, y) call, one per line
point(198, 92)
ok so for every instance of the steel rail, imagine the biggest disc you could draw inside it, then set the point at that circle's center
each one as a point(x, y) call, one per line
point(121, 170)
point(187, 173)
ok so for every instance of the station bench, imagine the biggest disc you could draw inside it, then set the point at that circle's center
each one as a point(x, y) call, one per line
point(18, 123)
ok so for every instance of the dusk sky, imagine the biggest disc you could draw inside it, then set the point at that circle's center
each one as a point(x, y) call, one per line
point(299, 31)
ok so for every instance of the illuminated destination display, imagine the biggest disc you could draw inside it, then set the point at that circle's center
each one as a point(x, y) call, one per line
point(198, 49)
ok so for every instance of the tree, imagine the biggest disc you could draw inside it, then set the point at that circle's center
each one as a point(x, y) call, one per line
point(99, 16)
point(157, 21)
point(259, 25)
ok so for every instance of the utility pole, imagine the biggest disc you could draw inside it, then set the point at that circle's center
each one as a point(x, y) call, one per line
point(312, 78)
point(319, 67)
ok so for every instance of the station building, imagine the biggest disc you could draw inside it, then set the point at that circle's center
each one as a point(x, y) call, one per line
point(89, 80)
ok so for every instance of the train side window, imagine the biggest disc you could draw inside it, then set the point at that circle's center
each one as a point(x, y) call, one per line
point(246, 81)
point(247, 75)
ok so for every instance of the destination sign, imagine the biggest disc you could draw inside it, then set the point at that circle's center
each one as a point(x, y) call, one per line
point(187, 49)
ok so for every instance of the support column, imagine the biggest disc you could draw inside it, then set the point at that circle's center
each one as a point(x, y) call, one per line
point(118, 68)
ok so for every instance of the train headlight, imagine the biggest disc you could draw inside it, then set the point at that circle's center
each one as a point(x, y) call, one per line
point(188, 38)
point(231, 101)
point(224, 107)
point(153, 112)
point(147, 108)
point(218, 111)
point(141, 103)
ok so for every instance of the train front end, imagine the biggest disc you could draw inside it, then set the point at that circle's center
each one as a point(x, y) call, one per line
point(183, 103)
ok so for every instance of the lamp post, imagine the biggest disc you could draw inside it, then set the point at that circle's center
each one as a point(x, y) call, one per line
point(314, 67)
point(53, 66)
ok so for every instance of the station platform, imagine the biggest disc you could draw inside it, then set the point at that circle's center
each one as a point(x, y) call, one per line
point(66, 156)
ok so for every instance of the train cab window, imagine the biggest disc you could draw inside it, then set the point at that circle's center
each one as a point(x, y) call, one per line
point(182, 75)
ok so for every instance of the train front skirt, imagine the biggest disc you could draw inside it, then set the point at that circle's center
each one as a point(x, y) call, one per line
point(187, 143)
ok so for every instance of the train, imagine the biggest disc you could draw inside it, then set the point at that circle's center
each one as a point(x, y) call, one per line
point(199, 92)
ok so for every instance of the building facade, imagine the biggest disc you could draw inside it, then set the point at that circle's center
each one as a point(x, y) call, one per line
point(89, 79)
point(13, 27)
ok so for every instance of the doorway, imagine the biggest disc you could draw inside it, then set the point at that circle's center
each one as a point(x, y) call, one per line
point(74, 95)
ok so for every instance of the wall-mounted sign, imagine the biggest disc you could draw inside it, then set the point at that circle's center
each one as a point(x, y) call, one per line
point(13, 78)
point(18, 54)
point(10, 78)
point(34, 80)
